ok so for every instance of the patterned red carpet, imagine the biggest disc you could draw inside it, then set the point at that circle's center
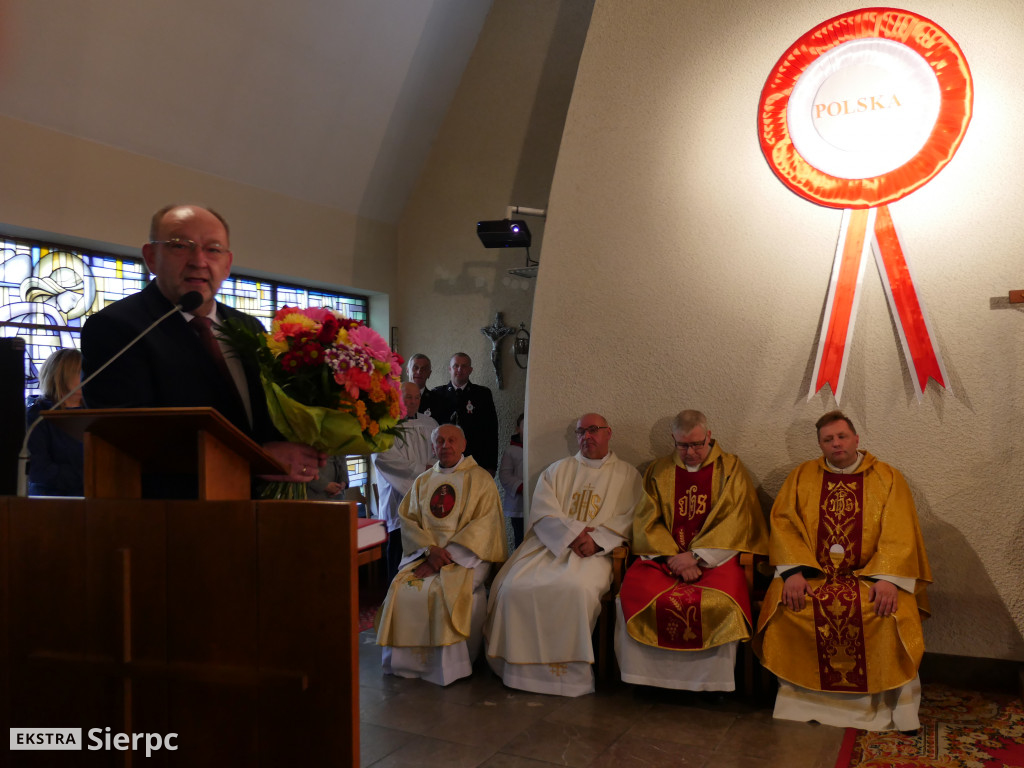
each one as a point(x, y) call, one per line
point(366, 616)
point(373, 587)
point(959, 729)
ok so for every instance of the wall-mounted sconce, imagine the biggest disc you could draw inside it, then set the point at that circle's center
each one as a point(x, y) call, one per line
point(521, 345)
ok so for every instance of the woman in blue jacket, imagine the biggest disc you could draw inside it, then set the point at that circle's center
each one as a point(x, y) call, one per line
point(55, 462)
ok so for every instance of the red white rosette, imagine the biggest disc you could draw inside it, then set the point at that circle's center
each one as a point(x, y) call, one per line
point(858, 113)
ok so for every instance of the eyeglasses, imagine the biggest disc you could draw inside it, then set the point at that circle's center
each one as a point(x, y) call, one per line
point(591, 430)
point(182, 247)
point(684, 447)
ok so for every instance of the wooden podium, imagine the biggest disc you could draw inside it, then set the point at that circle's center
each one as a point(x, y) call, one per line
point(230, 622)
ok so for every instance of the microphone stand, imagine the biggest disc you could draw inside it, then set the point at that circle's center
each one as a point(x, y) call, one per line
point(187, 303)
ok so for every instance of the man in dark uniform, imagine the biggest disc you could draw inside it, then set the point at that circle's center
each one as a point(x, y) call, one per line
point(472, 408)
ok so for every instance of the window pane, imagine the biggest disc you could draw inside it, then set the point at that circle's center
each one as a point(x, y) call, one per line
point(48, 291)
point(358, 467)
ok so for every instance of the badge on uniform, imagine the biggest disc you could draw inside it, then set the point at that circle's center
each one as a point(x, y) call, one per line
point(469, 406)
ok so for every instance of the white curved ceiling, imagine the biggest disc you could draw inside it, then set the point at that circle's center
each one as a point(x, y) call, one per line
point(332, 101)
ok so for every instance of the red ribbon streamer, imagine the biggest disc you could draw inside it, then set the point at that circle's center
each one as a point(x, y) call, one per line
point(837, 324)
point(919, 350)
point(915, 333)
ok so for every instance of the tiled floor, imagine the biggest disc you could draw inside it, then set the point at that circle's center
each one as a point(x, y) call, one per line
point(479, 722)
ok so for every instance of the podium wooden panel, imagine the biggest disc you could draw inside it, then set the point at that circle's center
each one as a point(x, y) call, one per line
point(123, 443)
point(232, 623)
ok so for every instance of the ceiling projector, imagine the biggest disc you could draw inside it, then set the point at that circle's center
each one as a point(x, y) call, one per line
point(504, 233)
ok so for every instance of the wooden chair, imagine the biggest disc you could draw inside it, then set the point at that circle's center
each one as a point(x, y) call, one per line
point(755, 678)
point(605, 667)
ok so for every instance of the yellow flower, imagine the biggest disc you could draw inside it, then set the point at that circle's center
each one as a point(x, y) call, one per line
point(277, 346)
point(291, 323)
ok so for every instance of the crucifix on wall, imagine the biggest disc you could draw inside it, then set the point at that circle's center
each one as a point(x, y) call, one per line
point(496, 331)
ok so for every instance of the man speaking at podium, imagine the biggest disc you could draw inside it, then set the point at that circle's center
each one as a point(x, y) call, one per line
point(180, 362)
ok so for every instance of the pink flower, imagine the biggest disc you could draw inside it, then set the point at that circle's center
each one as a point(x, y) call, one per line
point(372, 340)
point(320, 314)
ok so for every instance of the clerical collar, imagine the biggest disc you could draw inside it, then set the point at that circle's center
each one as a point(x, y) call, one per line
point(593, 463)
point(846, 470)
point(687, 467)
point(449, 470)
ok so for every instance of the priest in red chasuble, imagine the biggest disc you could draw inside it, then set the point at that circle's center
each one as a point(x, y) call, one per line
point(841, 623)
point(684, 604)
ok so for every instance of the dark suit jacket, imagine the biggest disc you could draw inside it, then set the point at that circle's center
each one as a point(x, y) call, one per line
point(169, 367)
point(472, 409)
point(425, 400)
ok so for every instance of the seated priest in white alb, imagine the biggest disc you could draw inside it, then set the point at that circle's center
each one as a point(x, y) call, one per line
point(684, 606)
point(452, 531)
point(546, 600)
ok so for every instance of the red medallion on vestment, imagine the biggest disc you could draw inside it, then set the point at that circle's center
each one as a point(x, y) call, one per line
point(442, 500)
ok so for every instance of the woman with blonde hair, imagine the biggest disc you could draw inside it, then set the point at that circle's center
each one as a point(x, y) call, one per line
point(55, 463)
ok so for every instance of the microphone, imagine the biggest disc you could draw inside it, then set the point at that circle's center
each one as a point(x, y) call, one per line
point(186, 303)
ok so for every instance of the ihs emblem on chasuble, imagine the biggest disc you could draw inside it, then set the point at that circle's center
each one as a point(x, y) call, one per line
point(839, 511)
point(585, 504)
point(859, 112)
point(691, 504)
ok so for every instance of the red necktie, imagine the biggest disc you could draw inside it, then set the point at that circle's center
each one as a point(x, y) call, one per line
point(203, 327)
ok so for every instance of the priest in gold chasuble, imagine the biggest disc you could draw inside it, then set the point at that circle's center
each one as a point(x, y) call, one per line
point(841, 623)
point(684, 604)
point(545, 601)
point(452, 531)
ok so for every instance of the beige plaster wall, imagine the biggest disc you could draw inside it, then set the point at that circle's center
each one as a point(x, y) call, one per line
point(679, 272)
point(497, 147)
point(79, 189)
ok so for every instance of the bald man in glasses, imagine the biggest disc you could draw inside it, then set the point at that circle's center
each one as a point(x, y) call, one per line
point(181, 362)
point(545, 602)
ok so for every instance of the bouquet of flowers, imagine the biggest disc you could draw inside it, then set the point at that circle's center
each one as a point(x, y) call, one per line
point(331, 382)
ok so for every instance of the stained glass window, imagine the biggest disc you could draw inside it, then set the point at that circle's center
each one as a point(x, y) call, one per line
point(47, 291)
